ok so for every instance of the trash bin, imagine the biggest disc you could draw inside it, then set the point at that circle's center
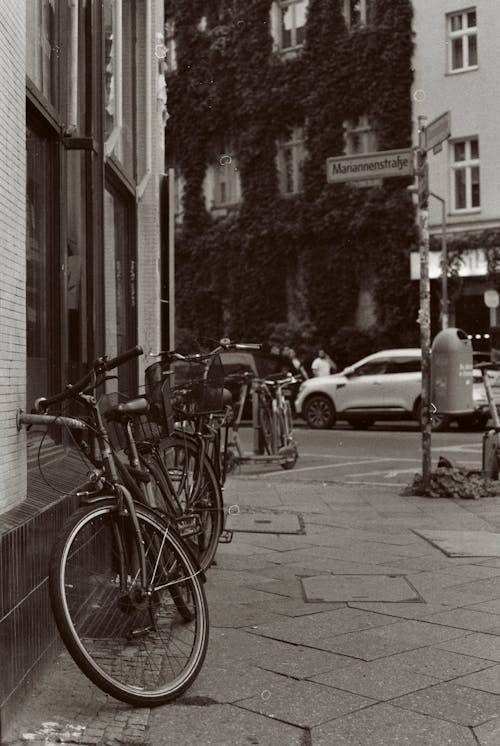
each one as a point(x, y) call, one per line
point(451, 372)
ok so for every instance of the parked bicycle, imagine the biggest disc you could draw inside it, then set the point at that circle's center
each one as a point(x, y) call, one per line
point(126, 592)
point(272, 422)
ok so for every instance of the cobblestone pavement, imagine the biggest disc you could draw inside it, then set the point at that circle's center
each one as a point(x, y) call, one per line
point(341, 615)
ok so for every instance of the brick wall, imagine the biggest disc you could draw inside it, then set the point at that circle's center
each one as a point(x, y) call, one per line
point(12, 251)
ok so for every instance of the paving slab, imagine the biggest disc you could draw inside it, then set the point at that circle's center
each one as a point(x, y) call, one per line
point(264, 523)
point(219, 725)
point(463, 543)
point(380, 680)
point(440, 664)
point(478, 644)
point(358, 588)
point(459, 704)
point(304, 703)
point(488, 734)
point(384, 725)
point(488, 680)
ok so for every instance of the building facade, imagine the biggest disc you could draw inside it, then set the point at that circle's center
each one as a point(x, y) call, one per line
point(263, 240)
point(83, 112)
point(456, 65)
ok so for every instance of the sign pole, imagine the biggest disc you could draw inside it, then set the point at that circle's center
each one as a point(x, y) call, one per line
point(171, 258)
point(425, 304)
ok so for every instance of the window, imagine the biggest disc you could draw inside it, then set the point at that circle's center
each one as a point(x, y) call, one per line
point(120, 282)
point(42, 260)
point(42, 50)
point(359, 136)
point(291, 155)
point(462, 40)
point(356, 13)
point(373, 368)
point(222, 185)
point(292, 23)
point(465, 174)
point(171, 46)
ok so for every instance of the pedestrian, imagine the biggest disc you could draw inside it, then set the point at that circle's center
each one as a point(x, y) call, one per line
point(299, 368)
point(323, 365)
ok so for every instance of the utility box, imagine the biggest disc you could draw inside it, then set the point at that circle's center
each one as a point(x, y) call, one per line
point(451, 372)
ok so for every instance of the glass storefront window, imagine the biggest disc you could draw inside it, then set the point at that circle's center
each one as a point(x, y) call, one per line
point(39, 242)
point(42, 50)
point(76, 265)
point(120, 284)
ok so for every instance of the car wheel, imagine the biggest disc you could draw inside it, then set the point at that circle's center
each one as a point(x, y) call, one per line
point(473, 422)
point(439, 421)
point(319, 412)
point(360, 423)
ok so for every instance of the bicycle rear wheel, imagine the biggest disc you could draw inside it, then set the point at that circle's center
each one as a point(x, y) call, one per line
point(142, 648)
point(198, 494)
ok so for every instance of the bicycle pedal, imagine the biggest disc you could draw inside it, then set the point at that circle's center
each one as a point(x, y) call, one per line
point(226, 536)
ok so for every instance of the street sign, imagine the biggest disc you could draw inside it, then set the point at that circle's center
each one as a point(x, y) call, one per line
point(437, 131)
point(381, 165)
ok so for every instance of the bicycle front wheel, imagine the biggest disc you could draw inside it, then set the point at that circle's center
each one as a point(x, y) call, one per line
point(197, 492)
point(142, 643)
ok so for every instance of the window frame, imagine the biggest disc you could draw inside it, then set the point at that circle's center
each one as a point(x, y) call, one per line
point(295, 144)
point(364, 14)
point(464, 33)
point(362, 127)
point(465, 165)
point(283, 5)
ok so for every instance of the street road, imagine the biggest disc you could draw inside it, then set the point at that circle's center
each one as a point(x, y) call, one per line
point(386, 455)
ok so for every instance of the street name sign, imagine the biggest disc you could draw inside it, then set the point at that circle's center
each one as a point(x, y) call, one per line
point(381, 165)
point(437, 131)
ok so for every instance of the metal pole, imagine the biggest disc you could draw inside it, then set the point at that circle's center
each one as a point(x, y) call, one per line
point(444, 264)
point(425, 306)
point(171, 259)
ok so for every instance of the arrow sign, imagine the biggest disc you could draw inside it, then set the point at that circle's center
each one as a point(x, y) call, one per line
point(437, 131)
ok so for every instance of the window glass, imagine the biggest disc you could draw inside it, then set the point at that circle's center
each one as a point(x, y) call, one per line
point(291, 154)
point(42, 49)
point(120, 283)
point(459, 151)
point(76, 264)
point(475, 193)
point(472, 50)
point(471, 18)
point(41, 359)
point(457, 59)
point(372, 368)
point(460, 186)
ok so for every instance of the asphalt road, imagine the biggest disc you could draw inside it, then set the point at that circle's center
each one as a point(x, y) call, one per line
point(384, 455)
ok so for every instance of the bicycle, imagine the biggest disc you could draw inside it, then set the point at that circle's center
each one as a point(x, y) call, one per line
point(126, 593)
point(193, 457)
point(271, 420)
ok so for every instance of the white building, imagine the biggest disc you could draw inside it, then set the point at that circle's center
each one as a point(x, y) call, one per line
point(456, 66)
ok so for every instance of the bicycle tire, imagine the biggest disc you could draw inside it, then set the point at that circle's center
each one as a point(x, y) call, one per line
point(266, 426)
point(179, 456)
point(142, 651)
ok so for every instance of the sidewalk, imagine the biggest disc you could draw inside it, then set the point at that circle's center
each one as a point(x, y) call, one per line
point(338, 618)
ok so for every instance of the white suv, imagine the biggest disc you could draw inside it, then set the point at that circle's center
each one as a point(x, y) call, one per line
point(384, 386)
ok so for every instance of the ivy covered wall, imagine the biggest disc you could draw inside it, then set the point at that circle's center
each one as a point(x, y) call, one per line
point(333, 259)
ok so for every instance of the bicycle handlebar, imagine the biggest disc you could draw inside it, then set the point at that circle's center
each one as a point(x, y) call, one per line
point(23, 418)
point(224, 345)
point(100, 366)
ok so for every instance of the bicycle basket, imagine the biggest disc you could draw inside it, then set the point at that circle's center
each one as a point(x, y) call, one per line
point(157, 385)
point(197, 386)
